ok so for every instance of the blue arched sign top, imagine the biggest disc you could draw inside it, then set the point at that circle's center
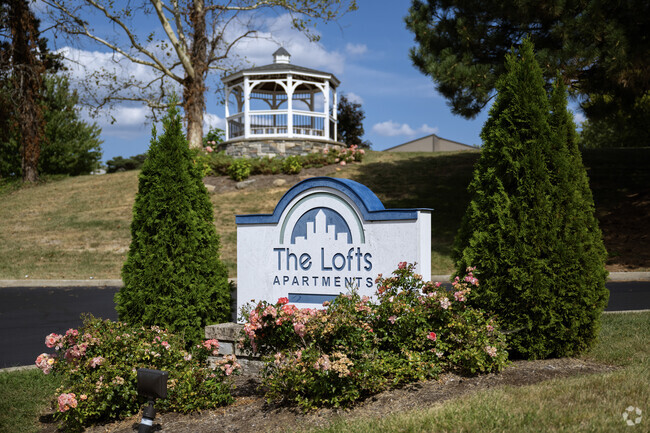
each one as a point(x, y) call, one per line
point(371, 208)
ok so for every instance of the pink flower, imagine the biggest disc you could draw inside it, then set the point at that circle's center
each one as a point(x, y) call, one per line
point(165, 345)
point(67, 402)
point(270, 311)
point(392, 319)
point(460, 296)
point(283, 301)
point(432, 336)
point(401, 265)
point(343, 163)
point(444, 303)
point(361, 151)
point(209, 149)
point(53, 340)
point(491, 350)
point(212, 345)
point(45, 362)
point(490, 328)
point(299, 329)
point(97, 361)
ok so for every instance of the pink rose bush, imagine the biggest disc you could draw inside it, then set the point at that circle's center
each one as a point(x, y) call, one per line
point(97, 365)
point(356, 346)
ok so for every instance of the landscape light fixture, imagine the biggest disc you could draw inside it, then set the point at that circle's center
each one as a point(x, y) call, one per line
point(152, 384)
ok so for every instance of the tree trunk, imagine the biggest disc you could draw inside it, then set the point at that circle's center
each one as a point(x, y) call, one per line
point(194, 86)
point(27, 82)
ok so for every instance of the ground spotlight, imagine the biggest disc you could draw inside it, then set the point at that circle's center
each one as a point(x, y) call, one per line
point(152, 384)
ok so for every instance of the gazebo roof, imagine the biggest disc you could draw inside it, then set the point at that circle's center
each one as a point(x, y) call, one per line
point(276, 68)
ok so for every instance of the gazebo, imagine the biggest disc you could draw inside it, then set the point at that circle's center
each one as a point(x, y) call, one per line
point(280, 109)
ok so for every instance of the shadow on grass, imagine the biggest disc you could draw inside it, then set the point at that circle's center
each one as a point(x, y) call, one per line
point(436, 181)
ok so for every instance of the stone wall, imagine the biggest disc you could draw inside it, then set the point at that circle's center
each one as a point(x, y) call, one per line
point(275, 147)
point(228, 335)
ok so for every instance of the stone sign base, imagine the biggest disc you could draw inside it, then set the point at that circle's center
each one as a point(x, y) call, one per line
point(255, 148)
point(228, 335)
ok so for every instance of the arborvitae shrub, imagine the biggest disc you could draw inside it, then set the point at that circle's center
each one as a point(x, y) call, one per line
point(173, 276)
point(580, 293)
point(522, 217)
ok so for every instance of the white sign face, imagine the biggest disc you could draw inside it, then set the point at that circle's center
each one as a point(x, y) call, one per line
point(325, 236)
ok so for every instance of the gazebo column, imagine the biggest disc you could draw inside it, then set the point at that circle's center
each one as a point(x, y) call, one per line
point(289, 105)
point(326, 108)
point(335, 115)
point(228, 90)
point(247, 107)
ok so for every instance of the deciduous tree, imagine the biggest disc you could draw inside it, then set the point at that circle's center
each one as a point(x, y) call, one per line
point(22, 69)
point(193, 39)
point(350, 116)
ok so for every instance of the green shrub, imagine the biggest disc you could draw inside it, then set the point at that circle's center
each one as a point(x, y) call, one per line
point(355, 348)
point(219, 163)
point(530, 227)
point(173, 276)
point(97, 365)
point(240, 169)
point(266, 165)
point(291, 165)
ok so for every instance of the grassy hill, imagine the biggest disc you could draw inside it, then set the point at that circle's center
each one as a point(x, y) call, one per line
point(78, 228)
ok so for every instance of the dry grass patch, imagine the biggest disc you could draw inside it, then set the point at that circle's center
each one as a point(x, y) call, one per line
point(72, 228)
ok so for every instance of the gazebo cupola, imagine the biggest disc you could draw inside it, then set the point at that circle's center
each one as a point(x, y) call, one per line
point(280, 108)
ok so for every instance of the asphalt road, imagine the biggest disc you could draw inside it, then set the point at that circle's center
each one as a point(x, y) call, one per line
point(28, 314)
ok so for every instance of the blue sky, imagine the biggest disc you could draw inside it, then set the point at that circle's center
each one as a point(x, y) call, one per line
point(366, 49)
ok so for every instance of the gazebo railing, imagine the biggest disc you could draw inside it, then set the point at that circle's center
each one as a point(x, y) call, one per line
point(275, 124)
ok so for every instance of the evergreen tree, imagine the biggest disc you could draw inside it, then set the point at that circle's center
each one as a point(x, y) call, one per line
point(71, 145)
point(517, 226)
point(173, 276)
point(579, 254)
point(600, 47)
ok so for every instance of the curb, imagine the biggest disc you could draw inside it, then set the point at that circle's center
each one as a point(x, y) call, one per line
point(60, 283)
point(613, 276)
point(19, 368)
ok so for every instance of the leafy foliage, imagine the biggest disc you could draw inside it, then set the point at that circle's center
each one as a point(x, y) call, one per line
point(97, 365)
point(291, 165)
point(240, 169)
point(350, 117)
point(530, 226)
point(355, 347)
point(173, 276)
point(69, 146)
point(124, 164)
point(600, 49)
point(221, 164)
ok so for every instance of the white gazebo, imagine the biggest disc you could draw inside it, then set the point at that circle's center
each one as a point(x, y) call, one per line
point(280, 109)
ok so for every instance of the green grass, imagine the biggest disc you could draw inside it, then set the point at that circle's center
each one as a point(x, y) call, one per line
point(79, 227)
point(24, 396)
point(589, 403)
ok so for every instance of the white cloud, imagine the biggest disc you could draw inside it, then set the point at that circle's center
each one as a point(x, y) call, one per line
point(426, 129)
point(213, 121)
point(277, 31)
point(353, 97)
point(356, 49)
point(579, 118)
point(393, 129)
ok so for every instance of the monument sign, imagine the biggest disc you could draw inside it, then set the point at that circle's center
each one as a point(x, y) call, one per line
point(325, 236)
